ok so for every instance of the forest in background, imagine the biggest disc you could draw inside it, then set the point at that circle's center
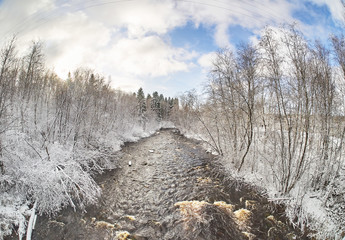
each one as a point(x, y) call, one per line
point(56, 134)
point(274, 111)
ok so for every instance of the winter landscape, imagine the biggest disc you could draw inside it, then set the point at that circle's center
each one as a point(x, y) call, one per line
point(172, 119)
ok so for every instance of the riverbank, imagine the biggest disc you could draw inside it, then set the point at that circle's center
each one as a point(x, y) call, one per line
point(172, 190)
point(320, 214)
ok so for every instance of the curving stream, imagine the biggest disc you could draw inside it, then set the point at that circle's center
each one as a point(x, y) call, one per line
point(171, 191)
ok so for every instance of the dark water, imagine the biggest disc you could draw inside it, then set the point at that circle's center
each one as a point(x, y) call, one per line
point(169, 192)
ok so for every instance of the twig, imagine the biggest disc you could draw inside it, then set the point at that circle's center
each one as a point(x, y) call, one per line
point(277, 199)
point(34, 149)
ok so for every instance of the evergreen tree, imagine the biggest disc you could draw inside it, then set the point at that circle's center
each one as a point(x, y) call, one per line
point(141, 101)
point(155, 103)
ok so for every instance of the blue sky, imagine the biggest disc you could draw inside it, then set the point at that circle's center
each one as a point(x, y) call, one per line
point(160, 45)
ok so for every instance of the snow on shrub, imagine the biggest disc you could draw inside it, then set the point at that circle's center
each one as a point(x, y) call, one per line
point(13, 210)
point(49, 175)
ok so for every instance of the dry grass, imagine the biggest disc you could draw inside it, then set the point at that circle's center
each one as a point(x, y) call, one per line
point(204, 180)
point(243, 217)
point(191, 209)
point(229, 208)
point(203, 220)
point(104, 224)
point(122, 235)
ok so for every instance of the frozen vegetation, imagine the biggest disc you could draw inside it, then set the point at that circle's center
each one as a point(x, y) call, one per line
point(274, 112)
point(55, 134)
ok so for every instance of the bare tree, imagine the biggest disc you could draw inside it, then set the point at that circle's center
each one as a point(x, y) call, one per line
point(247, 86)
point(8, 72)
point(323, 111)
point(7, 87)
point(234, 86)
point(222, 94)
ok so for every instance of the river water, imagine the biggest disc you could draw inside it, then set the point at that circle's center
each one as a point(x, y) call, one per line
point(172, 190)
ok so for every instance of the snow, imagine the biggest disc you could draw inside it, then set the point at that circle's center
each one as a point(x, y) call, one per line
point(13, 210)
point(52, 179)
point(31, 222)
point(309, 206)
point(57, 134)
point(56, 175)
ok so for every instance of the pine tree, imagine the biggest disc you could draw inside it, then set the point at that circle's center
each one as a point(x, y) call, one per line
point(141, 101)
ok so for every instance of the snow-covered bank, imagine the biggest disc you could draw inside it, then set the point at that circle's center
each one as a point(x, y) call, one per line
point(305, 208)
point(320, 213)
point(63, 180)
point(56, 134)
point(274, 111)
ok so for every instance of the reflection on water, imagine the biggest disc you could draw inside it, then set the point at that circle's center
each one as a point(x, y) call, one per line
point(169, 192)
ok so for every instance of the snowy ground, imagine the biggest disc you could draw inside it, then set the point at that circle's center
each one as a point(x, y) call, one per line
point(320, 213)
point(60, 177)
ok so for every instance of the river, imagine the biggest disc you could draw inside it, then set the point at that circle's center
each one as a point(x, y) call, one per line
point(172, 190)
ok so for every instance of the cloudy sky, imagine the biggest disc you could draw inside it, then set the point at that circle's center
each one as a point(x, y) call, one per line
point(163, 45)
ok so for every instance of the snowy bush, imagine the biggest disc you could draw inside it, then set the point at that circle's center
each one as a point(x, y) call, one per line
point(50, 176)
point(13, 211)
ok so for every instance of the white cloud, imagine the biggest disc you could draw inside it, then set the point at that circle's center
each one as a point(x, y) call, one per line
point(335, 7)
point(127, 83)
point(206, 60)
point(222, 36)
point(139, 17)
point(248, 14)
point(123, 40)
point(148, 56)
point(127, 39)
point(17, 16)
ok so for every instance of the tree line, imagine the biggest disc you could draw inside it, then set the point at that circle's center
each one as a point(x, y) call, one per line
point(56, 134)
point(275, 108)
point(157, 105)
